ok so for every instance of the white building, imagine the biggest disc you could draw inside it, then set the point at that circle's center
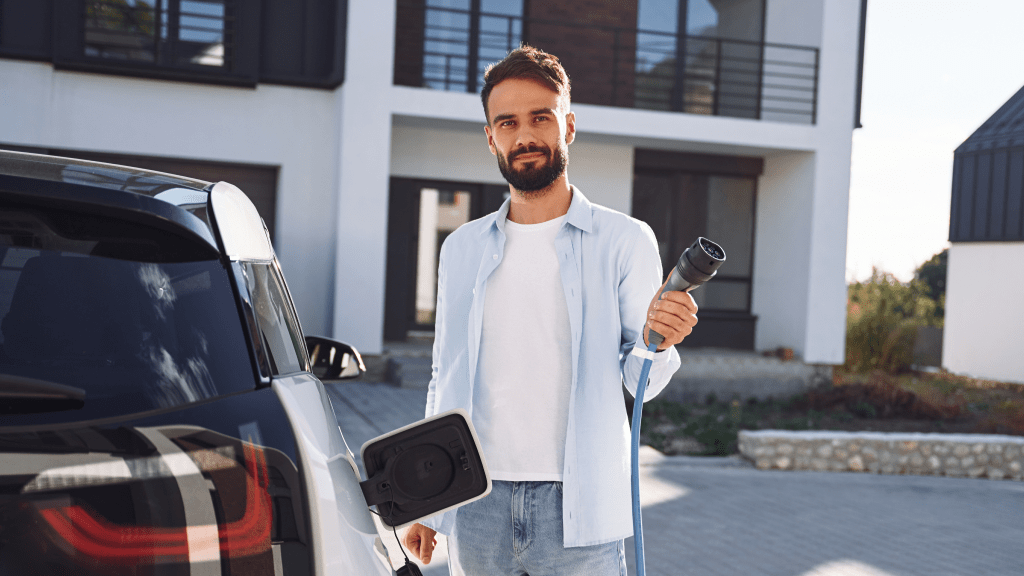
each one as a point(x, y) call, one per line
point(985, 270)
point(726, 118)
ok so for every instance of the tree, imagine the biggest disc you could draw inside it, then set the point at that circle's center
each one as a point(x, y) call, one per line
point(883, 317)
point(932, 275)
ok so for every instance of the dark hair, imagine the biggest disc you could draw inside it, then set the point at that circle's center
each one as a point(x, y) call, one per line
point(526, 62)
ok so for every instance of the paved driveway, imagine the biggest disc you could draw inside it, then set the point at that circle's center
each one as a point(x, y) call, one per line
point(719, 516)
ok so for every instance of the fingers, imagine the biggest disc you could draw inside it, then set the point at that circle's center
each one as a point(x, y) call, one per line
point(673, 316)
point(682, 298)
point(427, 549)
point(420, 541)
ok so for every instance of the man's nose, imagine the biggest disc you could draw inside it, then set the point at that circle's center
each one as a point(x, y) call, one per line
point(525, 137)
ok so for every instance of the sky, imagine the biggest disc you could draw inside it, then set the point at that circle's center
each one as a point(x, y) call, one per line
point(934, 71)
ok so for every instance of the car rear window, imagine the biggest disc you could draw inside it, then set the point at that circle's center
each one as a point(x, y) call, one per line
point(114, 309)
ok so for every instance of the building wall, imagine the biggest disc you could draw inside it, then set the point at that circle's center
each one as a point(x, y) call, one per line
point(984, 311)
point(293, 128)
point(600, 57)
point(602, 171)
point(781, 251)
point(336, 150)
point(362, 160)
point(797, 22)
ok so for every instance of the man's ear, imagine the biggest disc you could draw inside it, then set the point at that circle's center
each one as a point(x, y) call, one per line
point(570, 127)
point(490, 140)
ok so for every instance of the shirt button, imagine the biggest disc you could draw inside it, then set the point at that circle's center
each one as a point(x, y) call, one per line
point(495, 257)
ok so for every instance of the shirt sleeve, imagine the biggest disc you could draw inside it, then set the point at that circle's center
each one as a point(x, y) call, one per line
point(641, 280)
point(441, 523)
point(439, 330)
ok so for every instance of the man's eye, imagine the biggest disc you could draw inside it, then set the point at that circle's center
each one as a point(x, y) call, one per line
point(541, 119)
point(507, 123)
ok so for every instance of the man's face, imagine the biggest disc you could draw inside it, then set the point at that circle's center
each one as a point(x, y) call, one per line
point(529, 132)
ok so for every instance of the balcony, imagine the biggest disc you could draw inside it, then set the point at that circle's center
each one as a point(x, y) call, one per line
point(449, 49)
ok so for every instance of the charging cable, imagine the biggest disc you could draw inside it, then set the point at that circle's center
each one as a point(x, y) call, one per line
point(697, 265)
point(410, 568)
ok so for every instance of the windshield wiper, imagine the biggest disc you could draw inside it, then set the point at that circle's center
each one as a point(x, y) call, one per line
point(22, 395)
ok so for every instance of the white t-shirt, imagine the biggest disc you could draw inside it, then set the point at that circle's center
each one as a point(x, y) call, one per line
point(521, 398)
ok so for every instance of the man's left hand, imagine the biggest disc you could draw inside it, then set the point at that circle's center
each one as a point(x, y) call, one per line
point(673, 316)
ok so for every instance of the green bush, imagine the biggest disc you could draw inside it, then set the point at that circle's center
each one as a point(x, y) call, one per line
point(883, 315)
point(933, 275)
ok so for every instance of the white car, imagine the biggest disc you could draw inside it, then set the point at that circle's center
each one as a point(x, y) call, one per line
point(160, 407)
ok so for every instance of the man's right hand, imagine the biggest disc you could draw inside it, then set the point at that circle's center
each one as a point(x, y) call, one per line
point(420, 541)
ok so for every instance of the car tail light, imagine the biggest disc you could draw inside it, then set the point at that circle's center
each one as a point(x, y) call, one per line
point(78, 529)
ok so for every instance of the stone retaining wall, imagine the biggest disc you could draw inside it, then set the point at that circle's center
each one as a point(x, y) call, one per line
point(962, 455)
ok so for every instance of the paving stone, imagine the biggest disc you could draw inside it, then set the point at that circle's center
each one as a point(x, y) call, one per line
point(728, 518)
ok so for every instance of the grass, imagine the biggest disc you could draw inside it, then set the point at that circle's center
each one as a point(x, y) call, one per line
point(909, 402)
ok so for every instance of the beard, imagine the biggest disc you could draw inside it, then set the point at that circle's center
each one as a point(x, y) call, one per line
point(535, 176)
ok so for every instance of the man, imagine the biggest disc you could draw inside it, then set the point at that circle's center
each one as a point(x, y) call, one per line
point(539, 306)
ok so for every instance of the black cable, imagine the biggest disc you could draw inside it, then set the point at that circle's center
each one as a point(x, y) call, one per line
point(391, 510)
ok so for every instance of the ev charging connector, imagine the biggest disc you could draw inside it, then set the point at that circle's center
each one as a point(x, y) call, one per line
point(697, 265)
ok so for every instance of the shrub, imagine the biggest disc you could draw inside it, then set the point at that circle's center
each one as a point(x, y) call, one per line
point(933, 276)
point(883, 316)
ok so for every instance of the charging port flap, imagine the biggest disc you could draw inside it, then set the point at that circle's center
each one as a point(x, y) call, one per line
point(423, 469)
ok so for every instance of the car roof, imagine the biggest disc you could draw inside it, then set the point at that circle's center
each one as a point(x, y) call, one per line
point(93, 174)
point(154, 197)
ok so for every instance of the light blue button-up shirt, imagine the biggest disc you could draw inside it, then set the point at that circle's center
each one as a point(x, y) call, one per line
point(610, 270)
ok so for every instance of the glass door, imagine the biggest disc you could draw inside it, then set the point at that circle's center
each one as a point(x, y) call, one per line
point(421, 214)
point(680, 206)
point(441, 212)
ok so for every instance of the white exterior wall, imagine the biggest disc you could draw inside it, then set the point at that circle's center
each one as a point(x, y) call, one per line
point(799, 289)
point(362, 171)
point(825, 334)
point(785, 194)
point(797, 22)
point(337, 150)
point(459, 152)
point(984, 311)
point(803, 199)
point(293, 128)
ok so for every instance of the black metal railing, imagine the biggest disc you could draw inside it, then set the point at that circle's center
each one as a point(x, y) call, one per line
point(448, 49)
point(183, 34)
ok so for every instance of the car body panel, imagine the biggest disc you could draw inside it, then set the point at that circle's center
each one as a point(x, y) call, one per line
point(197, 489)
point(339, 518)
point(254, 477)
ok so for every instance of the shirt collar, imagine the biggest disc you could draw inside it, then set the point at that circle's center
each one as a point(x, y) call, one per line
point(580, 213)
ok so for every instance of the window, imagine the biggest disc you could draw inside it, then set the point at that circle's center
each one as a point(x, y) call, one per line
point(683, 196)
point(116, 308)
point(229, 42)
point(278, 324)
point(461, 37)
point(177, 33)
point(699, 56)
point(679, 207)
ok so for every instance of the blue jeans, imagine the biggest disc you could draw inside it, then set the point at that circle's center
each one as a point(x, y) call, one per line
point(517, 531)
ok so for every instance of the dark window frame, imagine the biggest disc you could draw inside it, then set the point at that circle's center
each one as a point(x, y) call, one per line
point(403, 215)
point(53, 31)
point(721, 328)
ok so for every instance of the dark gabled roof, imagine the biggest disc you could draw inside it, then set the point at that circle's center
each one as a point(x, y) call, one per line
point(1004, 129)
point(987, 203)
